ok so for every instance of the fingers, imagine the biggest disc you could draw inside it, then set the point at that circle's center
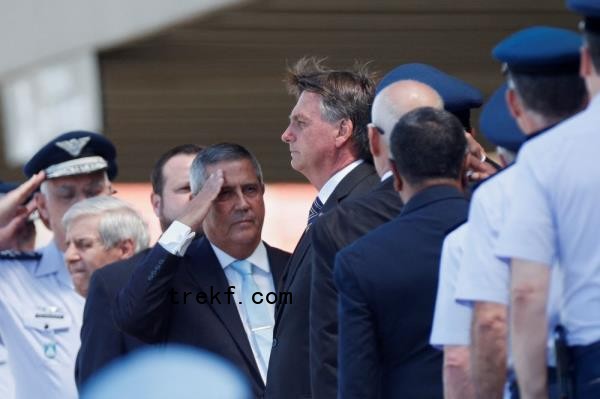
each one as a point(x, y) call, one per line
point(10, 203)
point(20, 194)
point(8, 232)
point(213, 185)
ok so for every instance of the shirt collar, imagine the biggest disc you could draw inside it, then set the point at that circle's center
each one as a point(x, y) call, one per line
point(52, 260)
point(429, 195)
point(334, 180)
point(386, 175)
point(259, 257)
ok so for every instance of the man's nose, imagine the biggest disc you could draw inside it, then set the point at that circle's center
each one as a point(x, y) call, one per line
point(71, 254)
point(287, 135)
point(242, 202)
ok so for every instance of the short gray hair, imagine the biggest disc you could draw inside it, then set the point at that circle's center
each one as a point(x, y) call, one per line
point(216, 153)
point(118, 221)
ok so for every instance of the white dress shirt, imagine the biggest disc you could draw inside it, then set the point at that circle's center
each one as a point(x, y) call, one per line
point(177, 238)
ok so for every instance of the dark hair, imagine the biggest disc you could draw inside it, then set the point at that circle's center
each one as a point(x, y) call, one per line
point(156, 176)
point(592, 39)
point(428, 143)
point(345, 94)
point(216, 153)
point(552, 96)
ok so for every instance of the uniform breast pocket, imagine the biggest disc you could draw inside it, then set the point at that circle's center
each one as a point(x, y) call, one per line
point(47, 322)
point(46, 327)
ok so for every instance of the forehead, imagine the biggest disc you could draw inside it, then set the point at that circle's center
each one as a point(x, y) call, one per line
point(240, 171)
point(78, 180)
point(178, 163)
point(178, 167)
point(84, 226)
point(308, 104)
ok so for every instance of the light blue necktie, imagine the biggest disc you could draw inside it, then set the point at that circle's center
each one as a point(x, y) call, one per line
point(257, 314)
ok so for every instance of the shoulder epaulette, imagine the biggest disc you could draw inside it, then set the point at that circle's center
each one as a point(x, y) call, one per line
point(20, 255)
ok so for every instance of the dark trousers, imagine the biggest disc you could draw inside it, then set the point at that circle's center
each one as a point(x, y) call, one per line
point(586, 361)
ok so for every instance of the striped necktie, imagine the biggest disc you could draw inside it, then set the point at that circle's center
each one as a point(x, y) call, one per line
point(315, 210)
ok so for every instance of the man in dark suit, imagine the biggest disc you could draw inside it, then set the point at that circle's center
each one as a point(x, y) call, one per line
point(403, 89)
point(328, 142)
point(101, 341)
point(217, 292)
point(387, 279)
point(351, 220)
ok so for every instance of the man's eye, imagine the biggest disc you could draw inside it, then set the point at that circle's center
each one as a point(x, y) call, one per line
point(93, 192)
point(66, 196)
point(224, 195)
point(250, 190)
point(84, 244)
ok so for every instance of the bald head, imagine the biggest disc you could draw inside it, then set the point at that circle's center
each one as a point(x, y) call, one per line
point(400, 98)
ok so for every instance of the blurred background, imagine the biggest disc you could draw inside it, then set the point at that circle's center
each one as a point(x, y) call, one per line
point(151, 74)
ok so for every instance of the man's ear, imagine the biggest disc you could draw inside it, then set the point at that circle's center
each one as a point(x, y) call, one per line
point(585, 66)
point(40, 203)
point(514, 103)
point(126, 248)
point(374, 144)
point(464, 180)
point(156, 201)
point(398, 182)
point(344, 132)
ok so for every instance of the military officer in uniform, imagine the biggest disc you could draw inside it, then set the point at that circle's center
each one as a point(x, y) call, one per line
point(544, 88)
point(554, 219)
point(40, 312)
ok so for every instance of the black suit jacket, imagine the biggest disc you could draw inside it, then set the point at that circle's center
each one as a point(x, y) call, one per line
point(387, 282)
point(146, 307)
point(101, 340)
point(289, 370)
point(337, 229)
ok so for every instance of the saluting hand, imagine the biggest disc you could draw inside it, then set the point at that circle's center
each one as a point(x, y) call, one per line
point(12, 213)
point(196, 210)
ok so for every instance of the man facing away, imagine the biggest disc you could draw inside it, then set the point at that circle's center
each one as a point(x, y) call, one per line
point(387, 279)
point(554, 218)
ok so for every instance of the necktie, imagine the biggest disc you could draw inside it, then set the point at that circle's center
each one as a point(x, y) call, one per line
point(257, 314)
point(315, 210)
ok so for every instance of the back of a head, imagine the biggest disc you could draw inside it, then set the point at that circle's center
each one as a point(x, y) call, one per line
point(590, 26)
point(346, 94)
point(543, 68)
point(168, 372)
point(400, 98)
point(428, 143)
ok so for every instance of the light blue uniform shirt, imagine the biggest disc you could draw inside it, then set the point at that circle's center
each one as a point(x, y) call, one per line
point(40, 318)
point(483, 277)
point(555, 215)
point(7, 384)
point(451, 320)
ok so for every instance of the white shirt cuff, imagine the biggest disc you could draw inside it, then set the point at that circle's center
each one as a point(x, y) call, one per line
point(177, 238)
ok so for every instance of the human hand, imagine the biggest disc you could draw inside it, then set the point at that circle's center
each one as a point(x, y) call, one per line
point(477, 167)
point(196, 210)
point(12, 213)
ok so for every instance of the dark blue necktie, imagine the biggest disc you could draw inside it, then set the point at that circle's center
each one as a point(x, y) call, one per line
point(315, 210)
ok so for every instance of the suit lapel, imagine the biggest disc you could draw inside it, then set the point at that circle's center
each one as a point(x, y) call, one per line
point(276, 267)
point(343, 189)
point(207, 273)
point(348, 184)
